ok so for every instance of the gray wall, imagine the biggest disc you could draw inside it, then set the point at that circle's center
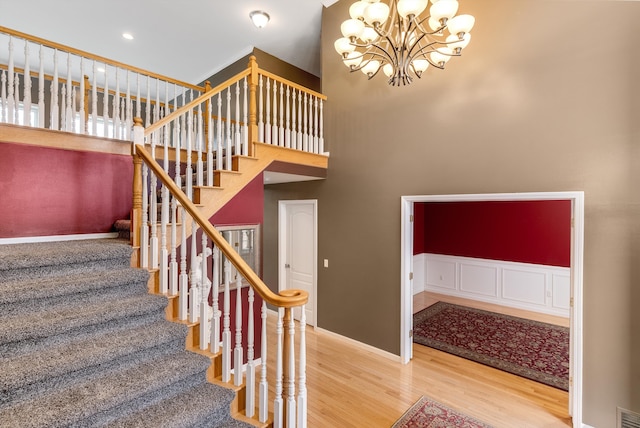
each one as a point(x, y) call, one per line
point(545, 98)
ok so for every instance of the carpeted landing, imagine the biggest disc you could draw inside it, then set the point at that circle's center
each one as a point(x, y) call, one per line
point(83, 344)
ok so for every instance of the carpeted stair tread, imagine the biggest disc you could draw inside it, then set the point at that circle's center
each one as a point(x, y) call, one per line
point(191, 409)
point(32, 288)
point(75, 358)
point(67, 317)
point(33, 255)
point(82, 344)
point(131, 387)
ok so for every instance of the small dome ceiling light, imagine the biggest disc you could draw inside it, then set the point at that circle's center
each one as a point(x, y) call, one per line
point(127, 36)
point(259, 18)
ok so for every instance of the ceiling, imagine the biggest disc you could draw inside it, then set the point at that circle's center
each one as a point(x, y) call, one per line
point(188, 41)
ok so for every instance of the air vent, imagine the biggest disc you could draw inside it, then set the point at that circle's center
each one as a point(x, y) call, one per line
point(628, 419)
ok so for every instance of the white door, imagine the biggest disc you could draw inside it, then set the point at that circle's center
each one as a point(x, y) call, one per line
point(297, 244)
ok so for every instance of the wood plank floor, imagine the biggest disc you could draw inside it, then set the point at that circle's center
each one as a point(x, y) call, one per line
point(351, 386)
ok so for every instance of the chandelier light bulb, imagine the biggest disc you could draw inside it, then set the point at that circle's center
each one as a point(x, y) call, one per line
point(441, 56)
point(456, 44)
point(356, 11)
point(387, 69)
point(371, 67)
point(420, 65)
point(444, 10)
point(368, 35)
point(352, 28)
point(461, 24)
point(353, 59)
point(376, 13)
point(411, 7)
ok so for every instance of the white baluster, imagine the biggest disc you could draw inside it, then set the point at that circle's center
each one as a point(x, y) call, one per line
point(189, 170)
point(105, 103)
point(300, 119)
point(173, 266)
point(199, 140)
point(263, 397)
point(260, 118)
point(54, 121)
point(138, 99)
point(184, 277)
point(287, 135)
point(236, 138)
point(274, 126)
point(294, 134)
point(73, 120)
point(278, 403)
point(251, 369)
point(12, 105)
point(245, 123)
point(83, 125)
point(214, 341)
point(41, 90)
point(127, 111)
point(63, 107)
point(320, 131)
point(16, 90)
point(302, 371)
point(164, 219)
point(147, 109)
point(219, 148)
point(153, 209)
point(116, 108)
point(194, 303)
point(313, 139)
point(94, 101)
point(226, 330)
point(238, 353)
point(228, 153)
point(205, 288)
point(267, 126)
point(3, 97)
point(281, 141)
point(291, 373)
point(305, 141)
point(26, 100)
point(210, 148)
point(69, 113)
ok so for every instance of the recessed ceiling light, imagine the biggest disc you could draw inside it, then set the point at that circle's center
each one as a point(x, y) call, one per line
point(101, 69)
point(259, 18)
point(127, 36)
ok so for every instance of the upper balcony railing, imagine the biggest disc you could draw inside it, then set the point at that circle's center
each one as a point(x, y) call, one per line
point(48, 85)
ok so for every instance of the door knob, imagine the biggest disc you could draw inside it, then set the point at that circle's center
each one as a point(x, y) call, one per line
point(287, 265)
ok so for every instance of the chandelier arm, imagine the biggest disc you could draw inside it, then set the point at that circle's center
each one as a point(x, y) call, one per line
point(430, 33)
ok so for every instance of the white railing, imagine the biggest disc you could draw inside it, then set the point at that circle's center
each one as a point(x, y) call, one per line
point(205, 298)
point(47, 85)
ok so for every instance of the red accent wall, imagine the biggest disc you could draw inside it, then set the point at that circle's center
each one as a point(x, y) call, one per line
point(247, 207)
point(47, 191)
point(536, 232)
point(418, 228)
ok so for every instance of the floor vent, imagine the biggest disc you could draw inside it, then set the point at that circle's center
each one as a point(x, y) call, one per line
point(628, 419)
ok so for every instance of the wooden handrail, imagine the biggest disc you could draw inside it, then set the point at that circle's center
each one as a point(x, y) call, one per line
point(99, 58)
point(202, 98)
point(286, 298)
point(292, 84)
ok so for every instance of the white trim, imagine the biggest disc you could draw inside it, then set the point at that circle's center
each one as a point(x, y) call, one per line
point(365, 347)
point(577, 264)
point(55, 238)
point(444, 274)
point(587, 426)
point(282, 228)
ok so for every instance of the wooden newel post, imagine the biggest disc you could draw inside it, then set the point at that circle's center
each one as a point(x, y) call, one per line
point(136, 210)
point(253, 108)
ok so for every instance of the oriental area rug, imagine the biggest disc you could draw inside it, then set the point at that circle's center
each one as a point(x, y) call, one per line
point(531, 349)
point(426, 413)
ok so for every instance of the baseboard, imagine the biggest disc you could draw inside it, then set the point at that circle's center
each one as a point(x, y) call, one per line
point(55, 238)
point(361, 345)
point(587, 426)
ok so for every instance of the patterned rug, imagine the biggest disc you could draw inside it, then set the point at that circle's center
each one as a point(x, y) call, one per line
point(426, 413)
point(531, 349)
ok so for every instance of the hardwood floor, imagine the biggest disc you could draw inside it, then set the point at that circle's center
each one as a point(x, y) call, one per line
point(350, 385)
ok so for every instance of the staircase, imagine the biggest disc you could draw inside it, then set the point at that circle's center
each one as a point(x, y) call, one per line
point(84, 344)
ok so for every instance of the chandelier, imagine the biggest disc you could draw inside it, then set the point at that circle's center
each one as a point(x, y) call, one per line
point(399, 40)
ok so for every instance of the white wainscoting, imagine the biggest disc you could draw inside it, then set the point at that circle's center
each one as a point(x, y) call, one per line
point(532, 287)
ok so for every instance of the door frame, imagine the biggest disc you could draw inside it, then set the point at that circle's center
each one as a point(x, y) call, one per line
point(577, 265)
point(283, 207)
